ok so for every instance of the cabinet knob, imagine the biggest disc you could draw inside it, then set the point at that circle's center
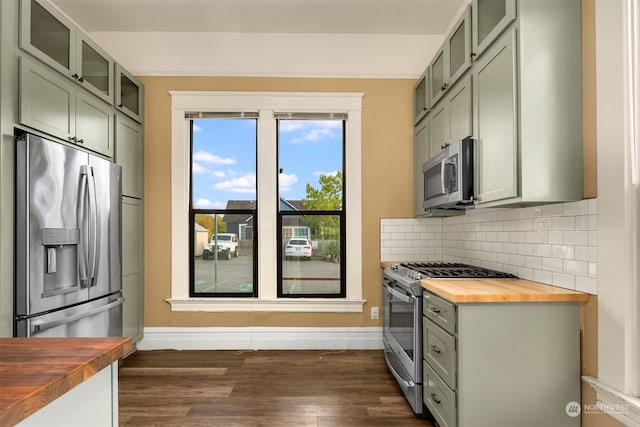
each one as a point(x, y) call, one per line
point(473, 54)
point(120, 105)
point(72, 139)
point(75, 76)
point(81, 79)
point(444, 86)
point(81, 141)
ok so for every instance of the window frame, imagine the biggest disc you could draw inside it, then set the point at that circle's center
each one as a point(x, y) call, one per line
point(193, 211)
point(267, 104)
point(340, 213)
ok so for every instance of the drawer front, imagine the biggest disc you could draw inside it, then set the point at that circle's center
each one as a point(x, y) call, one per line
point(439, 398)
point(440, 311)
point(439, 350)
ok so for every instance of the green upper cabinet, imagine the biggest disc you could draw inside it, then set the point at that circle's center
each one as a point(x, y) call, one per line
point(496, 132)
point(527, 105)
point(490, 19)
point(451, 117)
point(129, 155)
point(51, 37)
point(453, 59)
point(421, 97)
point(420, 156)
point(52, 104)
point(129, 94)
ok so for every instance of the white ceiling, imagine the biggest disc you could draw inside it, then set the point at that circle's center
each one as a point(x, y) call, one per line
point(264, 16)
point(295, 38)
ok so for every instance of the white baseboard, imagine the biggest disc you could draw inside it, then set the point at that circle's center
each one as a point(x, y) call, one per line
point(261, 338)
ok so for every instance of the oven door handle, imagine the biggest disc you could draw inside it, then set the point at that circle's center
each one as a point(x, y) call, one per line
point(398, 377)
point(401, 296)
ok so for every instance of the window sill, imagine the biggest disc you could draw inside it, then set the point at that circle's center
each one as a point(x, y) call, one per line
point(315, 305)
point(618, 405)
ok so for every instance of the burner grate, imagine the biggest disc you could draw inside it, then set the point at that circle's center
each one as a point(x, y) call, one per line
point(455, 271)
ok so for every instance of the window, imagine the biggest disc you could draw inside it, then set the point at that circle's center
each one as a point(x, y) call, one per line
point(310, 188)
point(223, 205)
point(263, 227)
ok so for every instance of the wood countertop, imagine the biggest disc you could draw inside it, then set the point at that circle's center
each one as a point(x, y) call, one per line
point(500, 290)
point(497, 290)
point(36, 371)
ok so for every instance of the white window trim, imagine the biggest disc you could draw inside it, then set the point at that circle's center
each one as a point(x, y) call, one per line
point(618, 384)
point(266, 103)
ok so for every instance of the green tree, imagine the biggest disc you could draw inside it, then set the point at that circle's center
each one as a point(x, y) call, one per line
point(207, 221)
point(326, 198)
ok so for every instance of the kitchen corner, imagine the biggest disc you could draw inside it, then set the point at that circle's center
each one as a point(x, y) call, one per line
point(44, 380)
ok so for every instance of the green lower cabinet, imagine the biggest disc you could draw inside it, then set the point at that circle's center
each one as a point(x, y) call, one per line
point(501, 364)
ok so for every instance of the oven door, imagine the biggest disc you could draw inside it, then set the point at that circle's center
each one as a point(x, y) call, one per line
point(402, 336)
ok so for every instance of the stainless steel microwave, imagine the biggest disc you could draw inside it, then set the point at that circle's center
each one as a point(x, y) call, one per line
point(448, 177)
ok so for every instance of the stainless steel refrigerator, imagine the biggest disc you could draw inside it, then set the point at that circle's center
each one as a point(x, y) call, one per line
point(68, 275)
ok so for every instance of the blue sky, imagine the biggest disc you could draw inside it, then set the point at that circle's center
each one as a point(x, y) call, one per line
point(224, 158)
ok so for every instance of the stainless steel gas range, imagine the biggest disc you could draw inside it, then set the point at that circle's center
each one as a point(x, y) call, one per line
point(402, 318)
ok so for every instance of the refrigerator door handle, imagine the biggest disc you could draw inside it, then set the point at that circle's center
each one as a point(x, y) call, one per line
point(41, 326)
point(93, 228)
point(81, 218)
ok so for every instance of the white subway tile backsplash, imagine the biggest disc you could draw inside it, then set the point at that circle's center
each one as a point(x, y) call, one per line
point(553, 244)
point(576, 238)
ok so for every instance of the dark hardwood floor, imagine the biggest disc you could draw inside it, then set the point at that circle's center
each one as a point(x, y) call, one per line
point(261, 388)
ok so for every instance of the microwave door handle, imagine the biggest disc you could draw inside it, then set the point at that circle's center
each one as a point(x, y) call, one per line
point(443, 168)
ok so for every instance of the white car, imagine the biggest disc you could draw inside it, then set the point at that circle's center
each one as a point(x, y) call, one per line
point(298, 247)
point(224, 244)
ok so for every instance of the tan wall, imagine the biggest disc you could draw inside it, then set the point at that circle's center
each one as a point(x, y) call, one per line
point(387, 188)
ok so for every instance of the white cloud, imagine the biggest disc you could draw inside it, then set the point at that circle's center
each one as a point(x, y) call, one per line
point(207, 157)
point(312, 130)
point(287, 181)
point(196, 128)
point(219, 174)
point(197, 168)
point(318, 173)
point(241, 184)
point(202, 203)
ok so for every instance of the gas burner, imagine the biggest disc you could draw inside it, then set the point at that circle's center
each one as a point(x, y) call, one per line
point(446, 270)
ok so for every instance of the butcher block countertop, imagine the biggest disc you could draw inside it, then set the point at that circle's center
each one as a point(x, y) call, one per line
point(36, 371)
point(500, 290)
point(497, 290)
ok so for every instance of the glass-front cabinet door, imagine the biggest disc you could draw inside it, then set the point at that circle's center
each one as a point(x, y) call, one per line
point(421, 97)
point(51, 37)
point(438, 72)
point(95, 68)
point(47, 34)
point(490, 19)
point(129, 94)
point(459, 48)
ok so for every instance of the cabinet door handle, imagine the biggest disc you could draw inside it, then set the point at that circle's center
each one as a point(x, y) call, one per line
point(80, 141)
point(75, 76)
point(473, 55)
point(436, 349)
point(434, 397)
point(435, 309)
point(119, 105)
point(73, 139)
point(81, 79)
point(444, 86)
